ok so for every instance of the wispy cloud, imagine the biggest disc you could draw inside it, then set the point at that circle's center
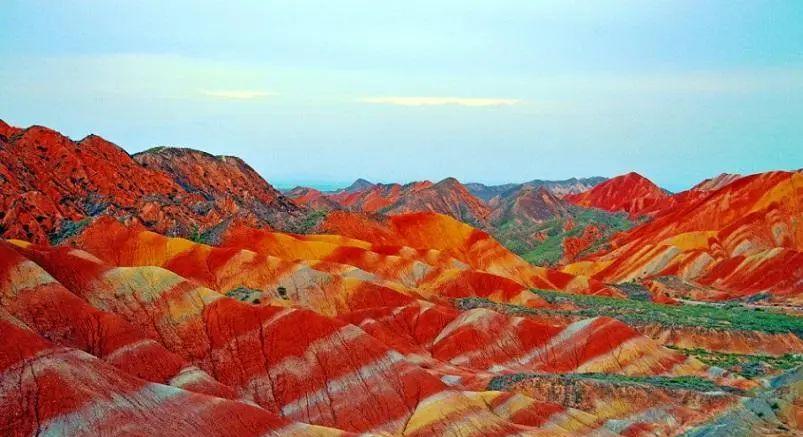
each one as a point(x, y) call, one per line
point(237, 94)
point(437, 101)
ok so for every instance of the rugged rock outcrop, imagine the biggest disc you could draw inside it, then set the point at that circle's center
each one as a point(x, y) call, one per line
point(223, 180)
point(51, 185)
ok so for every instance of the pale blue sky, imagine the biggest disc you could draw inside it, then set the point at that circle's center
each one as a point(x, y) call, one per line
point(324, 92)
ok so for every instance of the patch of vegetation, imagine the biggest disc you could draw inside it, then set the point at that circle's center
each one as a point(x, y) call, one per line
point(309, 222)
point(749, 366)
point(518, 238)
point(694, 383)
point(548, 253)
point(639, 313)
point(613, 220)
point(245, 294)
point(68, 229)
point(636, 312)
point(635, 291)
point(199, 237)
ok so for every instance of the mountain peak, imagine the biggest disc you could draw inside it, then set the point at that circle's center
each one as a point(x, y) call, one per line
point(449, 182)
point(174, 151)
point(716, 182)
point(634, 177)
point(629, 192)
point(359, 185)
point(7, 130)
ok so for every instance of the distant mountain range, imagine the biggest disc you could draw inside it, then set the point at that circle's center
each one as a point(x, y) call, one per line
point(532, 218)
point(558, 188)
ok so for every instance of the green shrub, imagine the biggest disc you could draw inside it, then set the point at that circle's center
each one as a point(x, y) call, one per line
point(694, 383)
point(747, 365)
point(638, 312)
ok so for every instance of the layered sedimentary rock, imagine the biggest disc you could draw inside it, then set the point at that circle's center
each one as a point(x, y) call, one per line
point(448, 197)
point(425, 231)
point(50, 389)
point(306, 367)
point(739, 240)
point(394, 323)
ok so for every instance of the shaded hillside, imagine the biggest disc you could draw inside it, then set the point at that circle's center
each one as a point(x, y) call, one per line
point(312, 198)
point(546, 230)
point(558, 188)
point(527, 206)
point(371, 198)
point(447, 197)
point(222, 179)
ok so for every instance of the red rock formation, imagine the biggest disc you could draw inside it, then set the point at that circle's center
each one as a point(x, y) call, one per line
point(417, 358)
point(372, 198)
point(64, 318)
point(458, 240)
point(573, 246)
point(632, 193)
point(447, 197)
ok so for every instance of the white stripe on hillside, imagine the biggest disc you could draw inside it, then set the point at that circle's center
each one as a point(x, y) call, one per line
point(341, 384)
point(128, 348)
point(555, 342)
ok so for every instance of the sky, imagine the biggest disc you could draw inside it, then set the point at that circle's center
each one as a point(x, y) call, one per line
point(323, 92)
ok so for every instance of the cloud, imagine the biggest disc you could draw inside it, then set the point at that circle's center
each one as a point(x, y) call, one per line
point(237, 94)
point(437, 101)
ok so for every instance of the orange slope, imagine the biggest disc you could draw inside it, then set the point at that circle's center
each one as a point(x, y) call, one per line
point(428, 231)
